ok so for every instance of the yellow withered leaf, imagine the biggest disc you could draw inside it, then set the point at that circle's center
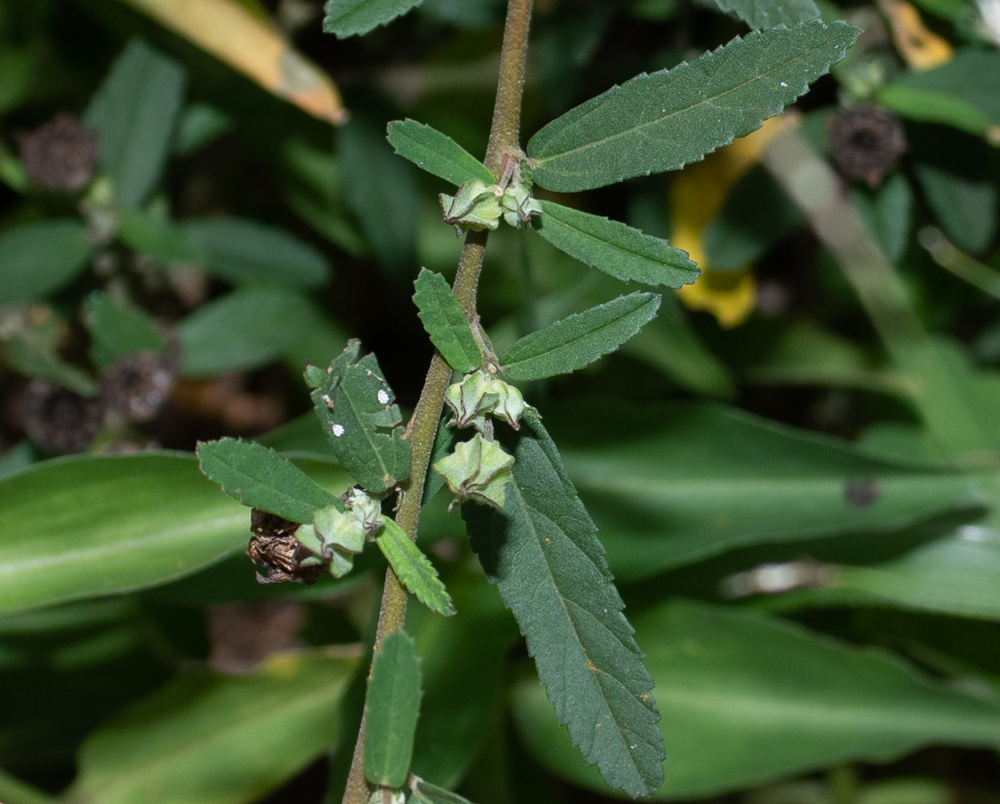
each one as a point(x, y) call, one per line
point(252, 46)
point(922, 49)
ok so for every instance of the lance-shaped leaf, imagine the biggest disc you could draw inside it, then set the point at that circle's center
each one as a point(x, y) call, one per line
point(542, 552)
point(259, 477)
point(350, 17)
point(580, 339)
point(38, 258)
point(769, 13)
point(619, 250)
point(436, 153)
point(665, 120)
point(391, 709)
point(354, 403)
point(445, 322)
point(413, 568)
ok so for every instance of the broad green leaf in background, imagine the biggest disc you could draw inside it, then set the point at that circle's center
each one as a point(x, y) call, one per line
point(133, 113)
point(245, 329)
point(436, 153)
point(259, 477)
point(413, 568)
point(445, 322)
point(246, 251)
point(619, 250)
point(670, 345)
point(665, 120)
point(955, 574)
point(355, 405)
point(965, 205)
point(888, 213)
point(747, 698)
point(392, 706)
point(769, 13)
point(542, 552)
point(964, 93)
point(381, 190)
point(578, 340)
point(756, 215)
point(453, 650)
point(32, 341)
point(198, 125)
point(731, 480)
point(89, 526)
point(116, 330)
point(208, 738)
point(14, 791)
point(38, 258)
point(156, 237)
point(350, 17)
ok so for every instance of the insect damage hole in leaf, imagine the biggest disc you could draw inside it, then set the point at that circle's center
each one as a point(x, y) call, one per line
point(354, 404)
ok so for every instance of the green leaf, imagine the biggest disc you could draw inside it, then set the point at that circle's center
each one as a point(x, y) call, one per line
point(209, 738)
point(90, 526)
point(240, 250)
point(756, 215)
point(747, 698)
point(731, 480)
point(444, 443)
point(445, 322)
point(259, 477)
point(769, 13)
point(619, 250)
point(888, 213)
point(116, 330)
point(964, 93)
point(245, 329)
point(426, 793)
point(355, 405)
point(949, 167)
point(392, 706)
point(665, 120)
point(39, 258)
point(32, 345)
point(542, 552)
point(382, 191)
point(349, 17)
point(156, 237)
point(413, 568)
point(14, 791)
point(578, 340)
point(436, 153)
point(133, 112)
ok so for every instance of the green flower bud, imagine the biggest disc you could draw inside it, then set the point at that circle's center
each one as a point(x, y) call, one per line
point(475, 206)
point(470, 399)
point(477, 470)
point(518, 205)
point(365, 509)
point(338, 529)
point(509, 404)
point(385, 795)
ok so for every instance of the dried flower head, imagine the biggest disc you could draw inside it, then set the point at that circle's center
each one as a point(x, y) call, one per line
point(136, 385)
point(274, 547)
point(60, 155)
point(866, 142)
point(58, 420)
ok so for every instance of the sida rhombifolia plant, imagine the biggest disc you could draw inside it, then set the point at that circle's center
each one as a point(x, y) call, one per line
point(473, 431)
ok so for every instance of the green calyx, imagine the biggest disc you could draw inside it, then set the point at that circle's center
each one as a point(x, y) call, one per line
point(387, 795)
point(479, 395)
point(335, 537)
point(478, 206)
point(477, 470)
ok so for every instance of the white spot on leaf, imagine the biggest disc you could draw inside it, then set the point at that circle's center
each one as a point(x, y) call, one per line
point(338, 430)
point(383, 397)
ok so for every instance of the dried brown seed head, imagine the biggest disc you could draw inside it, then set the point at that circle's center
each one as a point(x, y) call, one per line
point(60, 155)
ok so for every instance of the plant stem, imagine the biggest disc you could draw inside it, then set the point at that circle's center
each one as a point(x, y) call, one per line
point(504, 134)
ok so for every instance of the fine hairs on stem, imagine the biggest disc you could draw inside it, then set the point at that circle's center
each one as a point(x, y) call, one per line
point(504, 134)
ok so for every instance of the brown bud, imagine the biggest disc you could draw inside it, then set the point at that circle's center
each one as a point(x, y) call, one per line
point(58, 420)
point(60, 155)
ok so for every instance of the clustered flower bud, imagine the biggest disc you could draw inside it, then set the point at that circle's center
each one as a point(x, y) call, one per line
point(478, 206)
point(480, 395)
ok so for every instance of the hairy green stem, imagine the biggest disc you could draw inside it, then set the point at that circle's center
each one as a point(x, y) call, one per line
point(422, 430)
